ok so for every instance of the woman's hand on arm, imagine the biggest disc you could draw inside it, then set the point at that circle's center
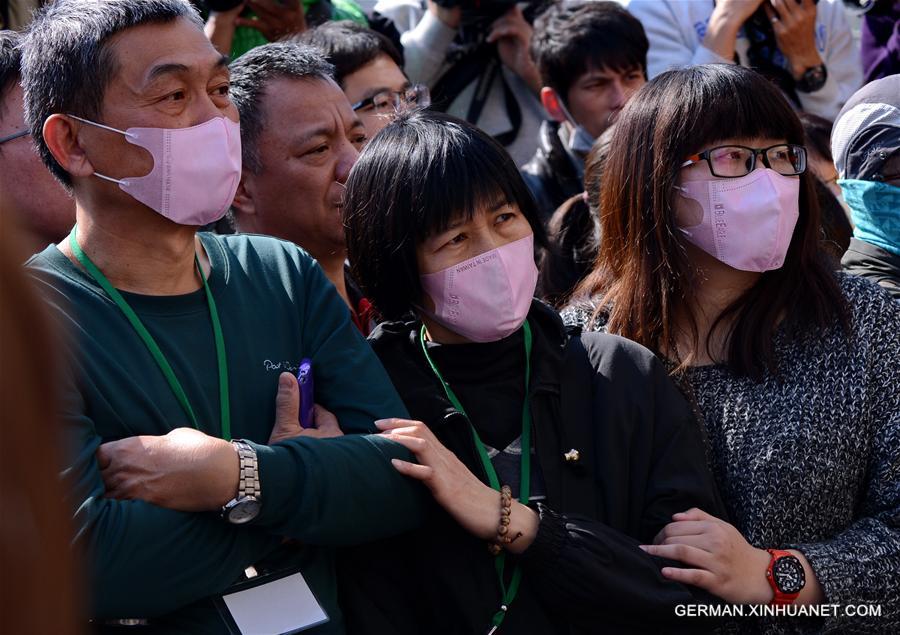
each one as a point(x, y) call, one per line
point(721, 561)
point(474, 505)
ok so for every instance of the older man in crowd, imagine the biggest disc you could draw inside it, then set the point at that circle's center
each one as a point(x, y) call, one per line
point(188, 464)
point(300, 137)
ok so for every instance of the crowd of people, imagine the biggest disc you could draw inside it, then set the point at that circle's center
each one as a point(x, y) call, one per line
point(547, 317)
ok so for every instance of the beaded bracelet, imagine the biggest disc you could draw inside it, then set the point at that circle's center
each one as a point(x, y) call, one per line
point(503, 537)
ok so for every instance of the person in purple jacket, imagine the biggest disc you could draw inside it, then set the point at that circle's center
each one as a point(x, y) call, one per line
point(880, 40)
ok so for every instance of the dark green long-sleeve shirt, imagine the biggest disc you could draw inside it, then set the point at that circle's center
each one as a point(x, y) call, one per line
point(276, 307)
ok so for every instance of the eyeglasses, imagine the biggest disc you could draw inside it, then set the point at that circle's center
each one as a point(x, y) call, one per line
point(15, 135)
point(734, 161)
point(390, 101)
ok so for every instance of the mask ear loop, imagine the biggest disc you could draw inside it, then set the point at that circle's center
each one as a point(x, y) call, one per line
point(110, 179)
point(683, 193)
point(99, 125)
point(111, 129)
point(565, 110)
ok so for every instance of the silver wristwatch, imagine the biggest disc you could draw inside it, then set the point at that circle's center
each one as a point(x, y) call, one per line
point(246, 505)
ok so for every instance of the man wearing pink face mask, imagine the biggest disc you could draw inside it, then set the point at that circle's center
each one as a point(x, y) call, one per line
point(182, 422)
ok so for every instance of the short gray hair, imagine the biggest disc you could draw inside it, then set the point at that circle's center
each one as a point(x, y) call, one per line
point(250, 74)
point(10, 62)
point(66, 65)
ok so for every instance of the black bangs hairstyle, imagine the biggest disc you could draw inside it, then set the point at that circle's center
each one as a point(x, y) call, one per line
point(643, 273)
point(418, 175)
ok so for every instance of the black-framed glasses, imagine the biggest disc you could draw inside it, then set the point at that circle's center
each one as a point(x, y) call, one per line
point(389, 101)
point(731, 162)
point(15, 135)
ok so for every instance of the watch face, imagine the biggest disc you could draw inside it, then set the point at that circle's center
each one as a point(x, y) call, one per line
point(813, 79)
point(789, 575)
point(243, 511)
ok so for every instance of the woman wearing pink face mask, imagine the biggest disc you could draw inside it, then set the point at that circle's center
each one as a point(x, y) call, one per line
point(710, 256)
point(551, 457)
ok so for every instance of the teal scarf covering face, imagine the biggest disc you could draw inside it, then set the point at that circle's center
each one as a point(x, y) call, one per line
point(875, 211)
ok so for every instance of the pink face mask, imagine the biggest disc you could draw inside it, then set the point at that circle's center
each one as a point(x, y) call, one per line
point(747, 222)
point(485, 298)
point(195, 171)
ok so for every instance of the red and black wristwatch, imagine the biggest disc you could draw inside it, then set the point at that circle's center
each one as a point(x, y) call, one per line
point(785, 575)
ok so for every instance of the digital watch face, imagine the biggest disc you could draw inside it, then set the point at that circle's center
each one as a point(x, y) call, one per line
point(789, 574)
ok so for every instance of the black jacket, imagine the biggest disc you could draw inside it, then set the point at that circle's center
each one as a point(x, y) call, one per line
point(641, 460)
point(872, 262)
point(550, 174)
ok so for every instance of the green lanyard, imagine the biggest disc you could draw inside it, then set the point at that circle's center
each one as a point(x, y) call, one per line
point(509, 593)
point(153, 347)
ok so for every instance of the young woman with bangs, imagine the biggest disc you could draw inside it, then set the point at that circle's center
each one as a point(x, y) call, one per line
point(550, 458)
point(710, 257)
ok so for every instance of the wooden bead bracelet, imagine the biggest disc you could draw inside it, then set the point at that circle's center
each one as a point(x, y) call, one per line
point(503, 537)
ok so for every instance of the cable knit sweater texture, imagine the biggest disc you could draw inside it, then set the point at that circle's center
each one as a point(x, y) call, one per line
point(809, 458)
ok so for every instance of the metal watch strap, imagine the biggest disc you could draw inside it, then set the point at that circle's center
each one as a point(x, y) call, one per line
point(248, 483)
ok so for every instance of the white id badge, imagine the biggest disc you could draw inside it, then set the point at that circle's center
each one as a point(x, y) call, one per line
point(273, 607)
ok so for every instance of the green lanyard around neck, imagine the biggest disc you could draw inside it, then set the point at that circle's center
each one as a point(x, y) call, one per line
point(153, 347)
point(509, 593)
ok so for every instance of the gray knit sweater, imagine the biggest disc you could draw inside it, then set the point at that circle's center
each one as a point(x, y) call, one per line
point(809, 459)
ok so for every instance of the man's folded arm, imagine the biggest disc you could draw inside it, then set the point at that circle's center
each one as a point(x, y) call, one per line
point(144, 560)
point(337, 491)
